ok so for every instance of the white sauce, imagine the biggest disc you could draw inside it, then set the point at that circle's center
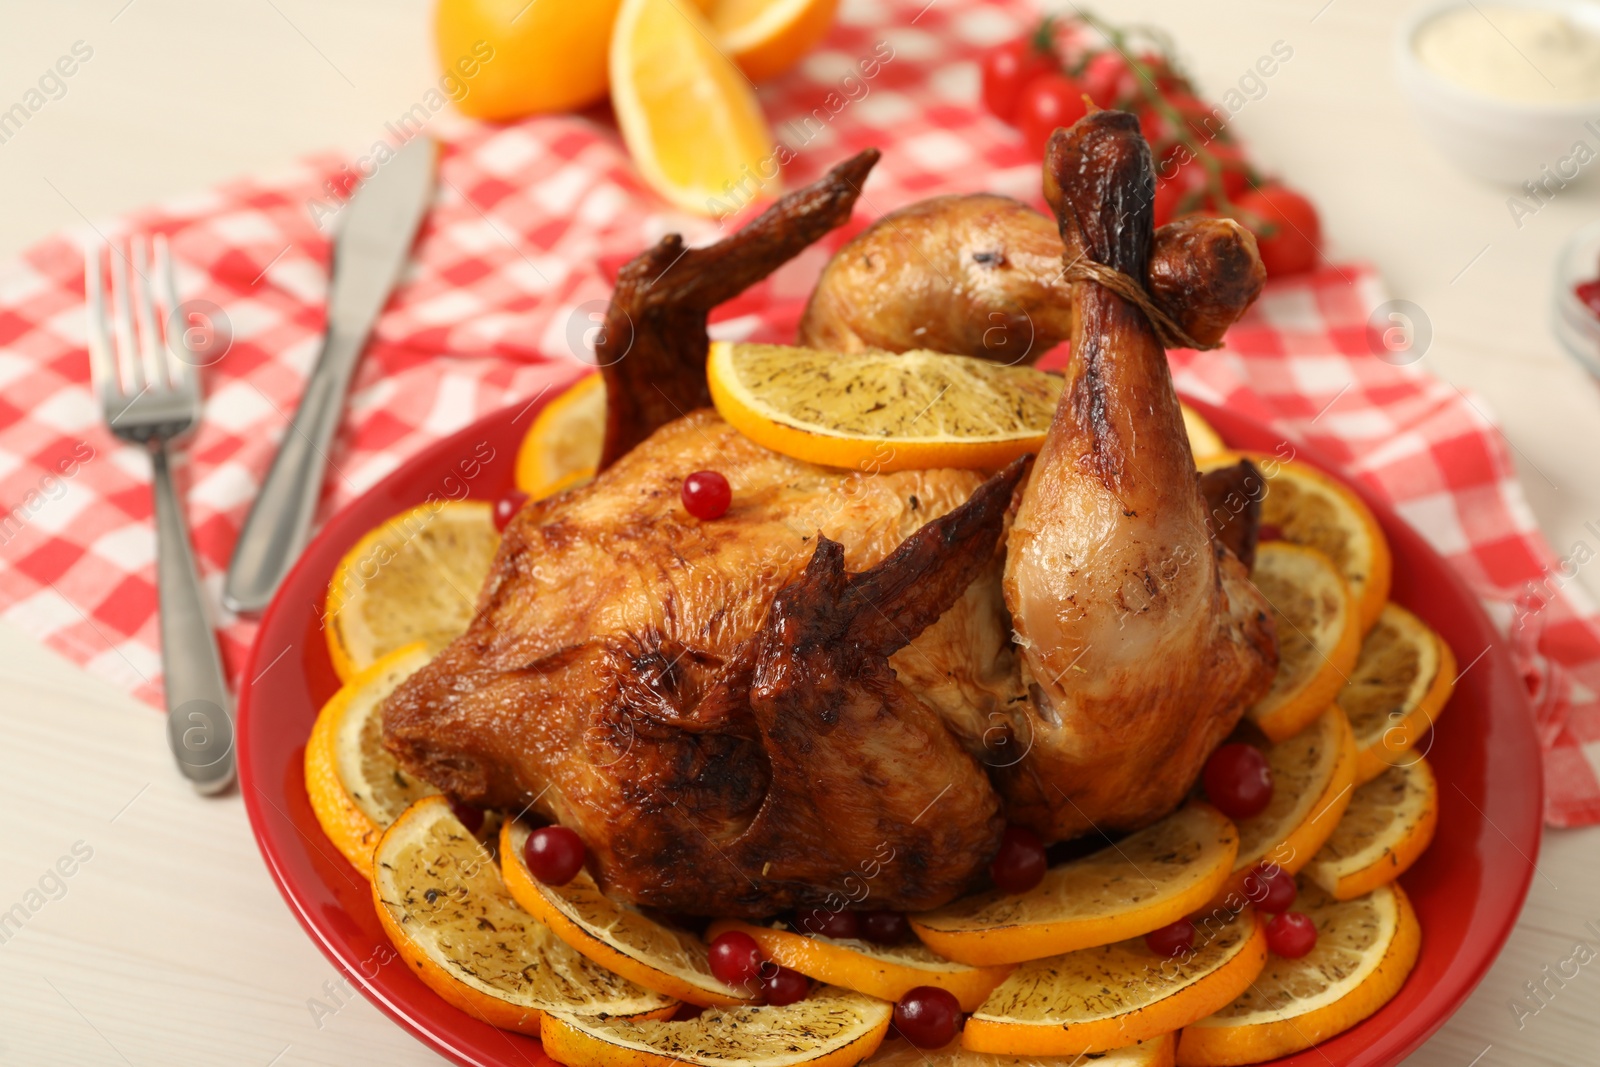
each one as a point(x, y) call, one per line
point(1514, 53)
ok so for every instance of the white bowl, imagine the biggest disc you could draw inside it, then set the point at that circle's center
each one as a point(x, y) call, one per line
point(1576, 327)
point(1500, 140)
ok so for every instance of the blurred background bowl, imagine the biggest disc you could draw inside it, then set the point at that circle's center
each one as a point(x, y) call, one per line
point(1576, 326)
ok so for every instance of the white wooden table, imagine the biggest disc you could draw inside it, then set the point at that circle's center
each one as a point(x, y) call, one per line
point(170, 944)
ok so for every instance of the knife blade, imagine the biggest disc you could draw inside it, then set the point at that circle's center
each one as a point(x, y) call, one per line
point(371, 249)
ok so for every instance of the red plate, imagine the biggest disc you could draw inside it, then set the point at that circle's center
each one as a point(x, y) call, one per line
point(1468, 888)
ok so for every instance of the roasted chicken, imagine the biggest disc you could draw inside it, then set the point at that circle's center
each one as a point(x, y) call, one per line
point(841, 690)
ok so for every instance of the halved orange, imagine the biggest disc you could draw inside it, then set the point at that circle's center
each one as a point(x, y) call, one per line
point(1319, 635)
point(1314, 509)
point(1313, 776)
point(562, 447)
point(888, 972)
point(830, 1028)
point(1386, 828)
point(1401, 682)
point(357, 789)
point(688, 115)
point(1204, 440)
point(1365, 949)
point(414, 578)
point(766, 37)
point(881, 411)
point(441, 900)
point(897, 1052)
point(614, 935)
point(1145, 881)
point(1108, 997)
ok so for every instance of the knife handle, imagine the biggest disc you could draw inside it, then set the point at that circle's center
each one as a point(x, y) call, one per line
point(279, 523)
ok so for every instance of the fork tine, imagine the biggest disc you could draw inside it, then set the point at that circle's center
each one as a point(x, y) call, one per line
point(155, 364)
point(102, 363)
point(127, 343)
point(184, 372)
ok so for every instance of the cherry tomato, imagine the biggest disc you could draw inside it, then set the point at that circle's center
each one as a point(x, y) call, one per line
point(1235, 168)
point(1286, 226)
point(780, 985)
point(1172, 940)
point(885, 927)
point(1021, 862)
point(1049, 101)
point(1291, 935)
point(928, 1016)
point(506, 508)
point(1180, 187)
point(1007, 70)
point(1238, 780)
point(554, 854)
point(1270, 891)
point(1108, 79)
point(706, 495)
point(735, 958)
point(828, 923)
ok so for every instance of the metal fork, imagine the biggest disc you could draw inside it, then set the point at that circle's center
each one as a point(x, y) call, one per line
point(149, 390)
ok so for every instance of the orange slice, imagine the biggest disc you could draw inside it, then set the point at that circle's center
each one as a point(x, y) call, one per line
point(830, 1028)
point(441, 901)
point(1203, 439)
point(1145, 881)
point(1316, 510)
point(888, 972)
point(688, 115)
point(1108, 997)
point(562, 447)
point(614, 935)
point(1313, 776)
point(357, 788)
point(1365, 949)
point(881, 411)
point(1399, 685)
point(1388, 825)
point(1319, 635)
point(896, 1052)
point(767, 37)
point(415, 578)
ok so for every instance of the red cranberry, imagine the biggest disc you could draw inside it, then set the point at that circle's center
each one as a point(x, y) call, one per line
point(828, 923)
point(468, 815)
point(1291, 935)
point(1238, 780)
point(928, 1016)
point(554, 854)
point(1271, 891)
point(706, 495)
point(884, 927)
point(735, 958)
point(506, 508)
point(1020, 864)
point(1172, 940)
point(782, 986)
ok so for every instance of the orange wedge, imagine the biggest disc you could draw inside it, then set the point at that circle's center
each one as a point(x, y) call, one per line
point(1313, 776)
point(1313, 509)
point(897, 1052)
point(888, 972)
point(441, 901)
point(414, 578)
point(1365, 949)
point(1399, 685)
point(1388, 825)
point(1203, 439)
point(614, 935)
point(689, 116)
point(1319, 635)
point(562, 447)
point(767, 37)
point(880, 411)
point(1145, 881)
point(357, 789)
point(1108, 997)
point(830, 1028)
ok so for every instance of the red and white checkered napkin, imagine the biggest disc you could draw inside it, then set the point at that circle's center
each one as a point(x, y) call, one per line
point(491, 312)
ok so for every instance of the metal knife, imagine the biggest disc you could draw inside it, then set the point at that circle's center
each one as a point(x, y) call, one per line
point(373, 244)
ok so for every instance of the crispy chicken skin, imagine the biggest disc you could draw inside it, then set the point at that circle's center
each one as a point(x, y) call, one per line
point(981, 275)
point(1142, 641)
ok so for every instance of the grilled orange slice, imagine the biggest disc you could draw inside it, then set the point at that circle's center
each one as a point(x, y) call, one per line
point(1319, 636)
point(1386, 828)
point(1401, 682)
point(562, 447)
point(896, 1052)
